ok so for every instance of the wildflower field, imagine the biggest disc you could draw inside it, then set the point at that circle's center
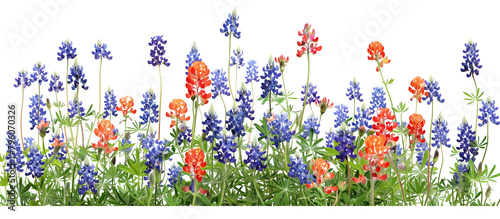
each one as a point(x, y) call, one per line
point(224, 141)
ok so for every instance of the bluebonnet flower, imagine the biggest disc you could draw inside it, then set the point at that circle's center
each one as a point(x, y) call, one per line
point(76, 106)
point(399, 149)
point(440, 132)
point(37, 112)
point(330, 135)
point(57, 146)
point(433, 88)
point(39, 73)
point(421, 148)
point(362, 118)
point(225, 148)
point(471, 60)
point(280, 129)
point(298, 169)
point(255, 156)
point(237, 59)
point(109, 103)
point(66, 50)
point(488, 112)
point(219, 83)
point(87, 179)
point(353, 91)
point(55, 84)
point(23, 79)
point(154, 156)
point(457, 177)
point(312, 94)
point(231, 25)
point(15, 156)
point(125, 141)
point(149, 108)
point(341, 111)
point(245, 103)
point(173, 175)
point(345, 145)
point(76, 76)
point(462, 168)
point(378, 99)
point(252, 72)
point(101, 52)
point(184, 134)
point(193, 56)
point(270, 79)
point(234, 122)
point(465, 137)
point(34, 164)
point(158, 51)
point(148, 141)
point(212, 125)
point(310, 124)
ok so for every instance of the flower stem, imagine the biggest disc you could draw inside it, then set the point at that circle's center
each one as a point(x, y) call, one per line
point(67, 96)
point(299, 125)
point(285, 91)
point(383, 81)
point(429, 157)
point(399, 179)
point(229, 66)
point(21, 118)
point(487, 140)
point(100, 66)
point(194, 122)
point(159, 112)
point(225, 110)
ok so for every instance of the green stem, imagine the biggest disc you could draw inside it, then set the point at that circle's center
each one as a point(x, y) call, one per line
point(285, 91)
point(229, 67)
point(194, 122)
point(399, 179)
point(67, 95)
point(223, 186)
point(299, 125)
point(100, 66)
point(383, 81)
point(225, 110)
point(161, 92)
point(429, 160)
point(21, 118)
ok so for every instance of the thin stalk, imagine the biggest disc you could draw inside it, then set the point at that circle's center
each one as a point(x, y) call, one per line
point(429, 157)
point(286, 93)
point(161, 92)
point(21, 118)
point(349, 178)
point(100, 66)
point(225, 109)
point(194, 122)
point(399, 179)
point(383, 81)
point(223, 186)
point(229, 66)
point(299, 125)
point(487, 140)
point(67, 95)
point(251, 121)
point(442, 162)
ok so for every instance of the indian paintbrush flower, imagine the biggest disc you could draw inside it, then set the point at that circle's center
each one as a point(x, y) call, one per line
point(178, 114)
point(308, 43)
point(377, 53)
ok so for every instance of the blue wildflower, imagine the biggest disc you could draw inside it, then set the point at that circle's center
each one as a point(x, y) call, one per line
point(245, 103)
point(39, 73)
point(192, 56)
point(298, 169)
point(37, 112)
point(312, 94)
point(125, 141)
point(154, 157)
point(234, 122)
point(280, 129)
point(225, 148)
point(184, 134)
point(230, 27)
point(149, 108)
point(55, 84)
point(237, 59)
point(465, 137)
point(23, 79)
point(59, 150)
point(353, 91)
point(270, 82)
point(87, 180)
point(66, 50)
point(421, 148)
point(457, 177)
point(399, 149)
point(433, 88)
point(15, 156)
point(101, 52)
point(212, 125)
point(488, 112)
point(76, 76)
point(362, 118)
point(330, 135)
point(173, 175)
point(109, 103)
point(378, 99)
point(310, 124)
point(341, 111)
point(219, 83)
point(440, 132)
point(252, 72)
point(34, 165)
point(471, 60)
point(345, 145)
point(158, 51)
point(255, 156)
point(76, 107)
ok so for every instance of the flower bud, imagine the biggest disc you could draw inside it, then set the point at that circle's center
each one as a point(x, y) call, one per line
point(480, 168)
point(194, 46)
point(401, 166)
point(371, 132)
point(342, 186)
point(39, 64)
point(362, 131)
point(152, 178)
point(270, 62)
point(436, 156)
point(76, 64)
point(48, 104)
point(113, 160)
point(488, 192)
point(66, 187)
point(99, 43)
point(86, 161)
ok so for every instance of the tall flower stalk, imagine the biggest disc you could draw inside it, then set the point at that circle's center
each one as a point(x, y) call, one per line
point(24, 81)
point(99, 53)
point(230, 28)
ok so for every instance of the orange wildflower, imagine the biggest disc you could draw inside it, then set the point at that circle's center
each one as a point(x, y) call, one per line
point(330, 189)
point(361, 179)
point(197, 80)
point(126, 105)
point(195, 160)
point(375, 148)
point(58, 143)
point(376, 51)
point(320, 169)
point(105, 133)
point(383, 124)
point(417, 88)
point(179, 108)
point(42, 124)
point(416, 127)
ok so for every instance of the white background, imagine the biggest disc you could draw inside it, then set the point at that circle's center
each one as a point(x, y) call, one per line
point(422, 38)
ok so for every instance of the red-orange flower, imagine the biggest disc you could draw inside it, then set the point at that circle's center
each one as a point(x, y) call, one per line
point(416, 126)
point(58, 143)
point(195, 160)
point(323, 105)
point(308, 42)
point(105, 133)
point(376, 51)
point(417, 88)
point(361, 179)
point(197, 80)
point(282, 61)
point(126, 105)
point(179, 108)
point(320, 169)
point(375, 148)
point(383, 124)
point(330, 189)
point(42, 125)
